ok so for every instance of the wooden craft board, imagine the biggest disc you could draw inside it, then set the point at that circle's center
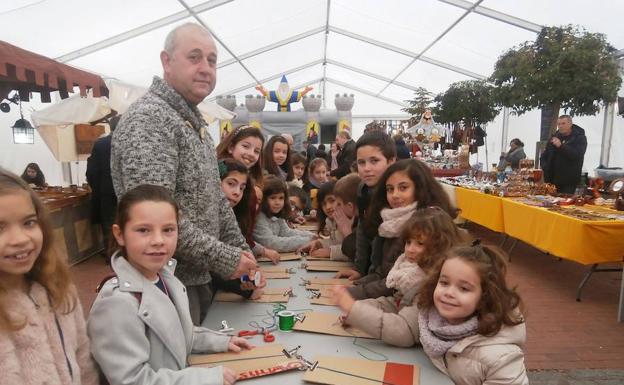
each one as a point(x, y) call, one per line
point(316, 286)
point(308, 227)
point(327, 323)
point(257, 362)
point(265, 298)
point(353, 369)
point(322, 301)
point(311, 258)
point(273, 269)
point(330, 281)
point(275, 275)
point(328, 266)
point(323, 289)
point(283, 257)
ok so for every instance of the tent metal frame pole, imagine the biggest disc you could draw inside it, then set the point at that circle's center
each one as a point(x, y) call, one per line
point(358, 89)
point(434, 42)
point(607, 134)
point(120, 38)
point(505, 133)
point(217, 38)
point(268, 79)
point(408, 53)
point(496, 15)
point(325, 54)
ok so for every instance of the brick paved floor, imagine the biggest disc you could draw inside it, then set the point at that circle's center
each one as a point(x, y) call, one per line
point(562, 334)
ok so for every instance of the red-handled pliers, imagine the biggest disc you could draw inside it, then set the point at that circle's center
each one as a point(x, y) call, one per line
point(268, 337)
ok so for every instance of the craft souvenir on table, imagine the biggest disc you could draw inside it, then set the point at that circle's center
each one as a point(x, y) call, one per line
point(320, 296)
point(327, 265)
point(333, 370)
point(420, 134)
point(327, 323)
point(269, 294)
point(257, 362)
point(283, 257)
point(617, 187)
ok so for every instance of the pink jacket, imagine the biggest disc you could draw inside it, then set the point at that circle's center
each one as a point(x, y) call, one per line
point(34, 355)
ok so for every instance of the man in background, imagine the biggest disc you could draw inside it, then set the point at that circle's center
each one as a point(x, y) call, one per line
point(562, 160)
point(103, 198)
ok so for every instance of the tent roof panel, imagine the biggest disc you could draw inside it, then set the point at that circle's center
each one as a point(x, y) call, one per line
point(357, 79)
point(596, 16)
point(477, 49)
point(365, 56)
point(287, 56)
point(415, 26)
point(435, 79)
point(55, 28)
point(245, 25)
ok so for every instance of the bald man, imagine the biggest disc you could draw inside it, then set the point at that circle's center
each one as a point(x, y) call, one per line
point(163, 140)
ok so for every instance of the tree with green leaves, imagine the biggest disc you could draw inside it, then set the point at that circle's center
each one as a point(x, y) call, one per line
point(565, 67)
point(471, 102)
point(423, 100)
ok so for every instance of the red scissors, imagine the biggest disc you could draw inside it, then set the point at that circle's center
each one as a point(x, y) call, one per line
point(268, 337)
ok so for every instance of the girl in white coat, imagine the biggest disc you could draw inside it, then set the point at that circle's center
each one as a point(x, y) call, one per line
point(469, 320)
point(140, 325)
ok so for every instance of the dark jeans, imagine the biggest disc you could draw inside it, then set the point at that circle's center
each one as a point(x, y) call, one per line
point(200, 298)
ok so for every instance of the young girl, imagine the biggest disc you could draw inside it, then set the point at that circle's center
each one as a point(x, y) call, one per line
point(271, 228)
point(428, 234)
point(299, 170)
point(43, 336)
point(140, 324)
point(238, 188)
point(317, 175)
point(331, 247)
point(405, 186)
point(244, 144)
point(277, 158)
point(33, 175)
point(470, 322)
point(375, 151)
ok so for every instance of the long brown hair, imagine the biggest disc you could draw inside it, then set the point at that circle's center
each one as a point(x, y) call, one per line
point(435, 228)
point(269, 163)
point(498, 303)
point(50, 270)
point(429, 192)
point(238, 134)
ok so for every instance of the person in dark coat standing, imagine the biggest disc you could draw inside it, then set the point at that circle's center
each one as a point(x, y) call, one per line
point(562, 160)
point(401, 148)
point(310, 150)
point(103, 198)
point(346, 156)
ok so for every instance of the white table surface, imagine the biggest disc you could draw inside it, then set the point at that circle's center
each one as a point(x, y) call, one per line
point(238, 315)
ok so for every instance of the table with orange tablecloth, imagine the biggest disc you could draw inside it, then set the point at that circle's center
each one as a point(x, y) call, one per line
point(483, 209)
point(582, 241)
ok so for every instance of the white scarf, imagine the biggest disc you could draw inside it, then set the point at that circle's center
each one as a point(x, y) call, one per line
point(394, 219)
point(404, 275)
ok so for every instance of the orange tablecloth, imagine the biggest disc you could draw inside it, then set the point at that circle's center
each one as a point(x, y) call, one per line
point(585, 242)
point(483, 209)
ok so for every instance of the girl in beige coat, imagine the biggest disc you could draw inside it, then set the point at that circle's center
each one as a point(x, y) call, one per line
point(428, 234)
point(469, 320)
point(140, 324)
point(42, 329)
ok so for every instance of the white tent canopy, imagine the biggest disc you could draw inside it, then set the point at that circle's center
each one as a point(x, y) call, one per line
point(378, 50)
